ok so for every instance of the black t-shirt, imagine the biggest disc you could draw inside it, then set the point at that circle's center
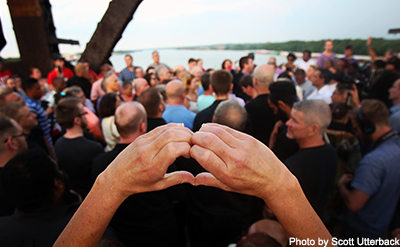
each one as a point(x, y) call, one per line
point(36, 139)
point(237, 89)
point(284, 147)
point(261, 117)
point(75, 157)
point(5, 207)
point(82, 83)
point(145, 219)
point(205, 116)
point(315, 168)
point(153, 123)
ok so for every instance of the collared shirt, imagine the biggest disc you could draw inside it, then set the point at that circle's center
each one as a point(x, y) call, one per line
point(179, 114)
point(127, 75)
point(394, 119)
point(36, 108)
point(308, 88)
point(324, 94)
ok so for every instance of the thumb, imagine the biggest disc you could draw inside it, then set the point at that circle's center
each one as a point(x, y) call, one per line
point(207, 179)
point(178, 177)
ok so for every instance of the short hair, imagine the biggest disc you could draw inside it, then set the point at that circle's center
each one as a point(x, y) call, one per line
point(300, 72)
point(12, 110)
point(151, 99)
point(160, 71)
point(126, 84)
point(343, 88)
point(4, 91)
point(243, 60)
point(72, 91)
point(126, 122)
point(107, 105)
point(376, 111)
point(149, 68)
point(223, 63)
point(307, 51)
point(205, 80)
point(27, 180)
point(264, 75)
point(349, 47)
point(192, 60)
point(7, 128)
point(315, 112)
point(221, 81)
point(230, 113)
point(284, 91)
point(67, 110)
point(325, 74)
point(128, 55)
point(138, 67)
point(285, 75)
point(246, 81)
point(105, 76)
point(292, 55)
point(28, 83)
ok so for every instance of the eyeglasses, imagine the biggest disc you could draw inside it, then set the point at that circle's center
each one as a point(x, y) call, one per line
point(82, 114)
point(15, 136)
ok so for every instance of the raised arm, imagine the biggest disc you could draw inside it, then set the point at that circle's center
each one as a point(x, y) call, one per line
point(371, 51)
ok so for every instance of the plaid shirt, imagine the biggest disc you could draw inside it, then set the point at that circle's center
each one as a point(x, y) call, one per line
point(127, 75)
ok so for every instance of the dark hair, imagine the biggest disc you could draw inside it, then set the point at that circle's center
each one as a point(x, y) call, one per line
point(221, 81)
point(67, 110)
point(285, 75)
point(325, 74)
point(205, 81)
point(284, 91)
point(147, 77)
point(300, 72)
point(349, 47)
point(223, 63)
point(150, 99)
point(107, 105)
point(128, 55)
point(379, 64)
point(243, 60)
point(192, 60)
point(251, 55)
point(138, 67)
point(165, 81)
point(149, 68)
point(6, 126)
point(27, 180)
point(340, 110)
point(307, 51)
point(258, 239)
point(246, 81)
point(11, 110)
point(126, 84)
point(28, 83)
point(292, 55)
point(343, 88)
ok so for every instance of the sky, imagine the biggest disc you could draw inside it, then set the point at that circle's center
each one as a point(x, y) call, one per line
point(180, 23)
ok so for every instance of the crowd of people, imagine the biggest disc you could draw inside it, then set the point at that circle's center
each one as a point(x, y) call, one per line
point(184, 156)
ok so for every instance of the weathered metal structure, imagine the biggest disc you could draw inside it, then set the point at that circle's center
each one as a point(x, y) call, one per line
point(37, 41)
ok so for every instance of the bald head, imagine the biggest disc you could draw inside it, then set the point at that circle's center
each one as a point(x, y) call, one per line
point(197, 71)
point(230, 113)
point(270, 227)
point(129, 118)
point(263, 76)
point(175, 92)
point(80, 69)
point(141, 85)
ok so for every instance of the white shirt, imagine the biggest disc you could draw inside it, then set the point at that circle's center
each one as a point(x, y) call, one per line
point(324, 94)
point(305, 65)
point(308, 88)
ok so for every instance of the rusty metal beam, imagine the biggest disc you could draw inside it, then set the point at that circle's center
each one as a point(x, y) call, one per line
point(109, 31)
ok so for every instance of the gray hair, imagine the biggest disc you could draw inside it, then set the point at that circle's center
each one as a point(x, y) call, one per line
point(105, 76)
point(315, 112)
point(231, 114)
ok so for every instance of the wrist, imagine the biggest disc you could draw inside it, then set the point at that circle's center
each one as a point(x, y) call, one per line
point(104, 185)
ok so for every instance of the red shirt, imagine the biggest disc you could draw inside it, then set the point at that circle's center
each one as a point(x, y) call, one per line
point(53, 75)
point(3, 75)
point(92, 74)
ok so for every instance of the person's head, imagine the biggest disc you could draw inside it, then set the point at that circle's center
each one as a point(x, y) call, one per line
point(246, 83)
point(394, 92)
point(32, 182)
point(70, 113)
point(150, 70)
point(306, 55)
point(310, 73)
point(105, 68)
point(205, 81)
point(191, 63)
point(139, 72)
point(81, 70)
point(108, 104)
point(272, 61)
point(372, 115)
point(227, 64)
point(59, 84)
point(130, 120)
point(258, 239)
point(197, 72)
point(179, 72)
point(20, 112)
point(35, 73)
point(128, 60)
point(230, 113)
point(342, 65)
point(59, 62)
point(156, 57)
point(13, 140)
point(175, 92)
point(200, 62)
point(270, 227)
point(111, 83)
point(300, 76)
point(10, 83)
point(348, 51)
point(263, 77)
point(281, 98)
point(153, 102)
point(328, 45)
point(31, 87)
point(152, 79)
point(141, 85)
point(309, 119)
point(291, 58)
point(192, 84)
point(127, 88)
point(7, 95)
point(75, 91)
point(246, 64)
point(341, 93)
point(221, 82)
point(163, 73)
point(320, 78)
point(328, 64)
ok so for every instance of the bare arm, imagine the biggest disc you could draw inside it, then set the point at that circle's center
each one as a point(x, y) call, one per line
point(354, 199)
point(371, 51)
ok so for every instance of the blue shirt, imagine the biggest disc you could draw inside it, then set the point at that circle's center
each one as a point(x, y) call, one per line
point(394, 119)
point(179, 114)
point(127, 75)
point(378, 176)
point(205, 101)
point(36, 108)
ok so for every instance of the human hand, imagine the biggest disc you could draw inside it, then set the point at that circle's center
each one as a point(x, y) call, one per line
point(237, 162)
point(277, 125)
point(142, 166)
point(49, 110)
point(354, 94)
point(345, 179)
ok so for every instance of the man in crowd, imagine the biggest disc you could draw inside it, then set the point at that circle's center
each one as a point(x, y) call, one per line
point(231, 113)
point(163, 74)
point(394, 96)
point(92, 75)
point(97, 91)
point(10, 83)
point(81, 79)
point(348, 54)
point(301, 81)
point(128, 74)
point(221, 82)
point(315, 163)
point(4, 74)
point(7, 95)
point(154, 104)
point(320, 81)
point(305, 63)
point(372, 194)
point(139, 72)
point(246, 68)
point(156, 61)
point(206, 99)
point(175, 111)
point(140, 85)
point(59, 71)
point(281, 99)
point(179, 72)
point(261, 116)
point(327, 54)
point(246, 83)
point(74, 152)
point(191, 63)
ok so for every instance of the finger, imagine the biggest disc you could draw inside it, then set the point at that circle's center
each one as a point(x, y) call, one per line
point(174, 178)
point(207, 179)
point(208, 160)
point(170, 135)
point(234, 133)
point(168, 154)
point(159, 130)
point(221, 133)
